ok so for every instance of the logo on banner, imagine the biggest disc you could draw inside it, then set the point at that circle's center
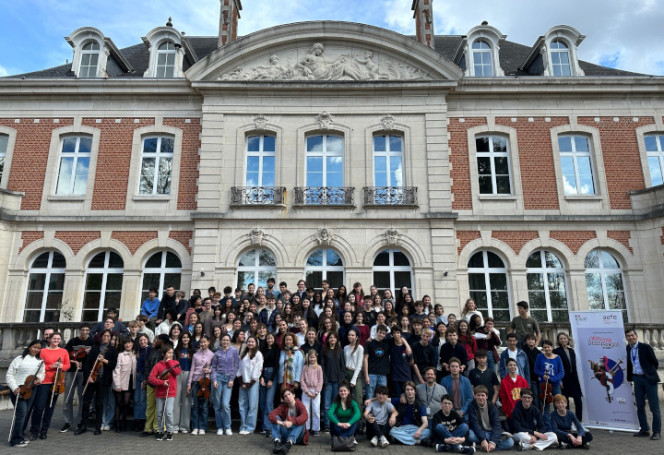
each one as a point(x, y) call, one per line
point(609, 374)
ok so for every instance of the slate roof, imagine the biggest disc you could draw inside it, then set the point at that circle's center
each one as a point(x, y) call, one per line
point(512, 56)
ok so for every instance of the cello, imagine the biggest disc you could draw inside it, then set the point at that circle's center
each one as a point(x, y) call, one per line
point(204, 385)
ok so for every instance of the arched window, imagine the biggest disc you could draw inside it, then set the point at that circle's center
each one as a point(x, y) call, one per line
point(103, 285)
point(166, 59)
point(560, 59)
point(89, 59)
point(482, 59)
point(46, 282)
point(493, 165)
point(655, 152)
point(392, 270)
point(576, 165)
point(156, 165)
point(604, 282)
point(261, 152)
point(488, 285)
point(256, 266)
point(162, 269)
point(325, 161)
point(322, 265)
point(547, 292)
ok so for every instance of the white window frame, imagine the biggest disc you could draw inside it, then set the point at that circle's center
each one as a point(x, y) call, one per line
point(325, 268)
point(257, 267)
point(261, 154)
point(391, 268)
point(487, 271)
point(168, 51)
point(388, 154)
point(157, 156)
point(576, 155)
point(76, 155)
point(492, 155)
point(48, 271)
point(10, 134)
point(484, 52)
point(324, 154)
point(104, 271)
point(89, 71)
point(603, 271)
point(162, 270)
point(558, 51)
point(658, 153)
point(545, 271)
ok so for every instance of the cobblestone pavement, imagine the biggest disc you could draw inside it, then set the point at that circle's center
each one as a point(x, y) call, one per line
point(109, 442)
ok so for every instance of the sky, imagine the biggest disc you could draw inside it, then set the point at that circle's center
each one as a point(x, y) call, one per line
point(624, 34)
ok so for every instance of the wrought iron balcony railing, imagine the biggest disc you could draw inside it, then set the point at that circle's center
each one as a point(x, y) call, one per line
point(257, 195)
point(390, 195)
point(324, 195)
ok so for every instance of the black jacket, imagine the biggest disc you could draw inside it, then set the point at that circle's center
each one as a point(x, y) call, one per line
point(647, 360)
point(571, 384)
point(111, 355)
point(527, 420)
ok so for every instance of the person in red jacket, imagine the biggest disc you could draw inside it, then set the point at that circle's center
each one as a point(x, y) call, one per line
point(510, 388)
point(288, 421)
point(164, 379)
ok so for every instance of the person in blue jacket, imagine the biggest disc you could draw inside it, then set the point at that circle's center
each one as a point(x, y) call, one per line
point(456, 380)
point(513, 351)
point(568, 429)
point(549, 367)
point(150, 307)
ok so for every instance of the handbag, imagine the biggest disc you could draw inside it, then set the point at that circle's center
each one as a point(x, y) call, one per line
point(343, 444)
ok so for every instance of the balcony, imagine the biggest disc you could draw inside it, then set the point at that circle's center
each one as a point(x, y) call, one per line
point(382, 196)
point(326, 196)
point(257, 196)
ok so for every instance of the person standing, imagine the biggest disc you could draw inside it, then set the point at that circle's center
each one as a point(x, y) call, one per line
point(225, 364)
point(200, 369)
point(165, 390)
point(249, 373)
point(311, 381)
point(524, 324)
point(80, 346)
point(124, 375)
point(642, 370)
point(571, 387)
point(184, 353)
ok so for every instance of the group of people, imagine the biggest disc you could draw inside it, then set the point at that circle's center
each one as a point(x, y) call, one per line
point(294, 364)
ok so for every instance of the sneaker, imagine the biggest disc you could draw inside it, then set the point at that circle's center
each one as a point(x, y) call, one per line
point(519, 447)
point(228, 432)
point(65, 428)
point(586, 446)
point(374, 441)
point(442, 448)
point(169, 437)
point(159, 436)
point(316, 433)
point(384, 442)
point(467, 450)
point(220, 432)
point(184, 431)
point(194, 431)
point(21, 444)
point(105, 428)
point(506, 435)
point(244, 432)
point(276, 446)
point(355, 441)
point(562, 445)
point(201, 432)
point(42, 435)
point(286, 447)
point(80, 430)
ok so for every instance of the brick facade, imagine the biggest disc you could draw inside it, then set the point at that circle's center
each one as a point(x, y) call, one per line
point(622, 237)
point(77, 239)
point(465, 237)
point(184, 237)
point(459, 161)
point(28, 237)
point(133, 240)
point(515, 239)
point(573, 239)
point(188, 161)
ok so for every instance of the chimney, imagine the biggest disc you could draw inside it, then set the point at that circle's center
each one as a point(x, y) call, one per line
point(230, 13)
point(423, 14)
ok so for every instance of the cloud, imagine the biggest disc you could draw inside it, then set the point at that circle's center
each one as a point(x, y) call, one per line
point(3, 71)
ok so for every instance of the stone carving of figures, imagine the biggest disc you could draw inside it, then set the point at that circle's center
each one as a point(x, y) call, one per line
point(313, 64)
point(274, 71)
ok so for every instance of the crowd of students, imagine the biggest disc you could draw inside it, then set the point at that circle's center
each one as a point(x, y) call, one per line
point(297, 363)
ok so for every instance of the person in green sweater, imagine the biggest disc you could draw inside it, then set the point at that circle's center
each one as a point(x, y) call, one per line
point(344, 414)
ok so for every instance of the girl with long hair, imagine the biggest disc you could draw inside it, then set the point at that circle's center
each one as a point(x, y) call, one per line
point(124, 375)
point(184, 354)
point(249, 373)
point(225, 364)
point(201, 368)
point(334, 368)
point(344, 413)
point(268, 381)
point(312, 384)
point(354, 360)
point(165, 390)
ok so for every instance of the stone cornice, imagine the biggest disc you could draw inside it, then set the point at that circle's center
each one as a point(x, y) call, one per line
point(72, 86)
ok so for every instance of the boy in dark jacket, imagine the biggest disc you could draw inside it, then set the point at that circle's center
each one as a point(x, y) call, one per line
point(485, 429)
point(528, 425)
point(450, 429)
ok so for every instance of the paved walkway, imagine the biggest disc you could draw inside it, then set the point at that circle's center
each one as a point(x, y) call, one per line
point(109, 442)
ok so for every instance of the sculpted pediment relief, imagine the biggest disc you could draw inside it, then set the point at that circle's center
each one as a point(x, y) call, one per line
point(325, 63)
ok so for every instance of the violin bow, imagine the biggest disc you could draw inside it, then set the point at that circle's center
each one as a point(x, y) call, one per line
point(546, 386)
point(55, 380)
point(11, 429)
point(73, 383)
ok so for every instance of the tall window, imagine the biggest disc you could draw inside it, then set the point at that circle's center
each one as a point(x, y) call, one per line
point(487, 283)
point(162, 269)
point(560, 58)
point(74, 164)
point(388, 160)
point(493, 165)
point(482, 59)
point(156, 165)
point(576, 165)
point(89, 59)
point(325, 161)
point(46, 282)
point(392, 270)
point(655, 152)
point(166, 59)
point(605, 283)
point(4, 140)
point(256, 266)
point(261, 153)
point(547, 293)
point(324, 265)
point(103, 285)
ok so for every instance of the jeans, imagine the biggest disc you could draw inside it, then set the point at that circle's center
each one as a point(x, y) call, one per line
point(248, 403)
point(73, 380)
point(313, 409)
point(345, 432)
point(165, 413)
point(294, 434)
point(139, 398)
point(643, 390)
point(267, 403)
point(442, 433)
point(199, 413)
point(330, 391)
point(182, 404)
point(505, 444)
point(108, 406)
point(374, 381)
point(222, 402)
point(405, 434)
point(42, 410)
point(378, 430)
point(21, 413)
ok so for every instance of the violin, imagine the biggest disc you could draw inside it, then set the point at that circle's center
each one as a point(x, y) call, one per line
point(25, 390)
point(59, 380)
point(545, 393)
point(78, 353)
point(96, 368)
point(164, 374)
point(204, 385)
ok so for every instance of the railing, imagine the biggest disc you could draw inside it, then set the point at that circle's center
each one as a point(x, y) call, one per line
point(390, 195)
point(324, 195)
point(257, 195)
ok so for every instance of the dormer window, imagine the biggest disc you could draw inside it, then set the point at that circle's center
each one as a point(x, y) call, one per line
point(482, 61)
point(166, 53)
point(166, 59)
point(89, 59)
point(478, 52)
point(91, 52)
point(555, 53)
point(560, 59)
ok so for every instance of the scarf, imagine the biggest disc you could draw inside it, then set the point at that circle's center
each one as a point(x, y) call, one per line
point(288, 366)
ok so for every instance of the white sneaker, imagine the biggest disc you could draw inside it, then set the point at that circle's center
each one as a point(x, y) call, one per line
point(201, 432)
point(220, 432)
point(194, 431)
point(374, 441)
point(229, 432)
point(355, 441)
point(184, 431)
point(244, 432)
point(384, 442)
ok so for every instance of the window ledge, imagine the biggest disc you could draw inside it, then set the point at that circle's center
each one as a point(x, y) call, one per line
point(497, 197)
point(67, 198)
point(590, 197)
point(325, 206)
point(258, 206)
point(149, 198)
point(391, 206)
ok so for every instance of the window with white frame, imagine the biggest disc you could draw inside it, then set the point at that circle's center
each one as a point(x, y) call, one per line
point(392, 270)
point(324, 264)
point(256, 266)
point(74, 165)
point(482, 59)
point(493, 165)
point(604, 282)
point(547, 291)
point(560, 58)
point(161, 270)
point(576, 165)
point(156, 165)
point(89, 59)
point(4, 141)
point(166, 59)
point(388, 161)
point(261, 155)
point(325, 161)
point(655, 152)
point(46, 283)
point(103, 285)
point(488, 285)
